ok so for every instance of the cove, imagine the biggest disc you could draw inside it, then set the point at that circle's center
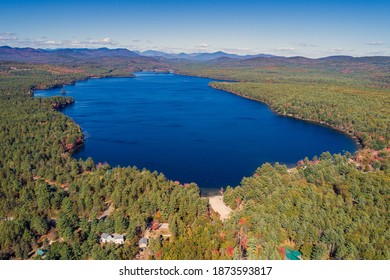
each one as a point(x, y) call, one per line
point(180, 126)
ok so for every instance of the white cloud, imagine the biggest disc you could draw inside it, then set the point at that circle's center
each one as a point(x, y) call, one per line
point(379, 43)
point(201, 47)
point(51, 42)
point(283, 49)
point(14, 40)
point(305, 45)
point(104, 41)
point(240, 51)
point(8, 37)
point(335, 50)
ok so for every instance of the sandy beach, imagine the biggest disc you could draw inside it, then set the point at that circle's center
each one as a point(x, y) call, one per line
point(216, 202)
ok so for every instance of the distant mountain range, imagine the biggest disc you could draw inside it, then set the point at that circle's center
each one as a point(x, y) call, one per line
point(163, 60)
point(199, 56)
point(58, 55)
point(62, 55)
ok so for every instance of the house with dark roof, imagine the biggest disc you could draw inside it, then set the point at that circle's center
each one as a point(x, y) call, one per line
point(143, 242)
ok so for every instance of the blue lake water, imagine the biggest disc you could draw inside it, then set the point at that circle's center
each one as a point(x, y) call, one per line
point(180, 126)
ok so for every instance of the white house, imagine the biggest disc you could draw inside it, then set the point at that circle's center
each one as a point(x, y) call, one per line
point(112, 238)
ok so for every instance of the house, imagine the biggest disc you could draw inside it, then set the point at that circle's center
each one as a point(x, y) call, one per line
point(112, 238)
point(118, 238)
point(143, 242)
point(104, 238)
point(293, 255)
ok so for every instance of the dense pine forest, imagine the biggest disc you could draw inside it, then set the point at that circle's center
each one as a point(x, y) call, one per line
point(328, 207)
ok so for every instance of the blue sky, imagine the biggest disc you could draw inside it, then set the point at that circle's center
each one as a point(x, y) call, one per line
point(307, 28)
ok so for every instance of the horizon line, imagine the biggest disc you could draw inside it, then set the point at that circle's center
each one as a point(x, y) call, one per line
point(191, 52)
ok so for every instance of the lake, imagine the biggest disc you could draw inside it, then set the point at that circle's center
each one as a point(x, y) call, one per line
point(180, 126)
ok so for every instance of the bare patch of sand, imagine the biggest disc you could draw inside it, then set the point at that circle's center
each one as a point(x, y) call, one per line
point(216, 202)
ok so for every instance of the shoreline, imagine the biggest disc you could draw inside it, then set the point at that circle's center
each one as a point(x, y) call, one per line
point(357, 141)
point(214, 81)
point(212, 84)
point(73, 82)
point(78, 145)
point(211, 194)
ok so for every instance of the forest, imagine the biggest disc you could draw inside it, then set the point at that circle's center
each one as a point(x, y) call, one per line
point(328, 207)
